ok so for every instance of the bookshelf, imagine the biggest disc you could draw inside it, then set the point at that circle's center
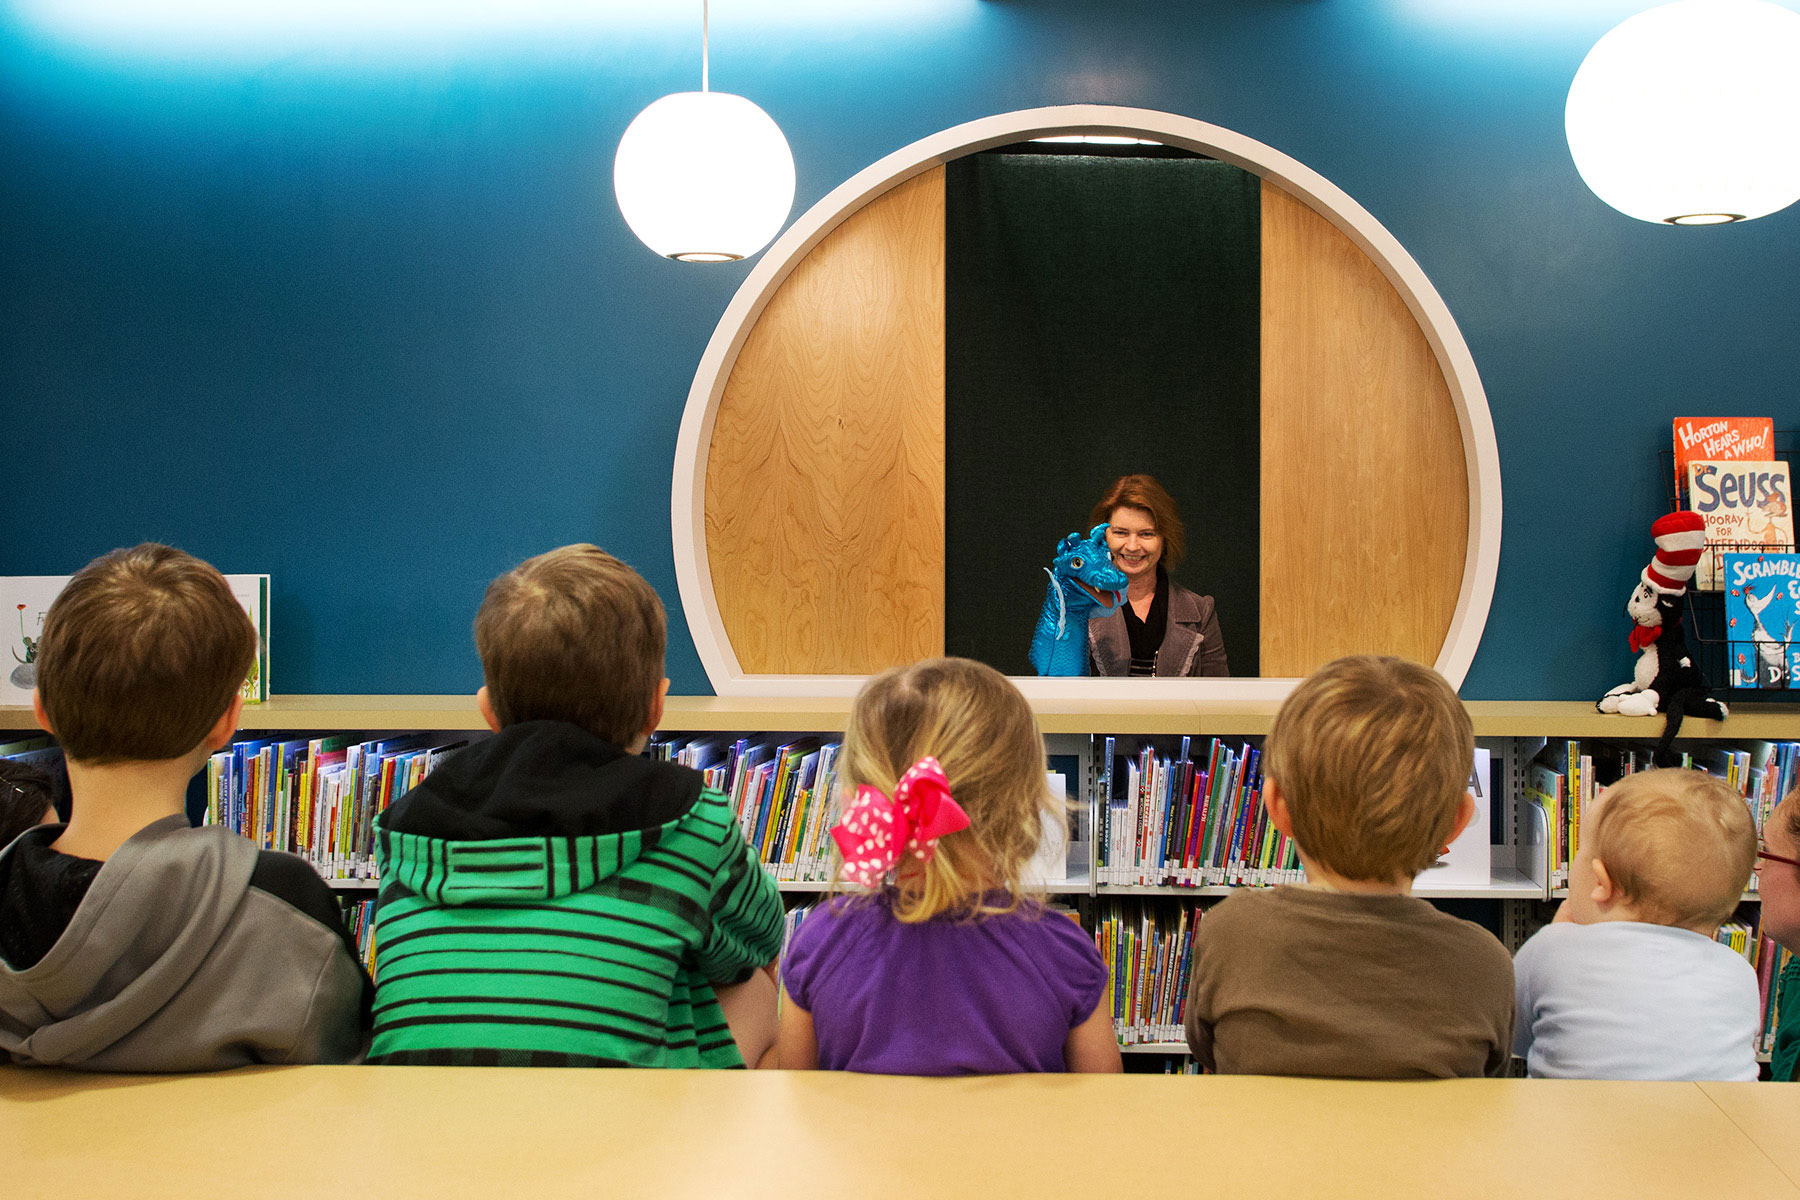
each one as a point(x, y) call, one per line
point(1512, 732)
point(1508, 728)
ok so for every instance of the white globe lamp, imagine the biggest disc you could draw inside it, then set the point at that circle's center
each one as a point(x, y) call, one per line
point(704, 177)
point(1689, 114)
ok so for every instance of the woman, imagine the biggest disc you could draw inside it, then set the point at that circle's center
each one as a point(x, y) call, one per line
point(1162, 628)
point(1778, 883)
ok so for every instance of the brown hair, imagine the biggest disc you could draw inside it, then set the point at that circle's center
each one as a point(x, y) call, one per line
point(1678, 844)
point(1142, 491)
point(141, 655)
point(1373, 756)
point(985, 737)
point(27, 795)
point(1790, 806)
point(573, 635)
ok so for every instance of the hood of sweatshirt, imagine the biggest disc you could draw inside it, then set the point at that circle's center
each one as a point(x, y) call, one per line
point(543, 809)
point(150, 919)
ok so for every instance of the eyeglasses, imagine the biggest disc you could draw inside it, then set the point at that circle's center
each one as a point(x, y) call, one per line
point(1792, 862)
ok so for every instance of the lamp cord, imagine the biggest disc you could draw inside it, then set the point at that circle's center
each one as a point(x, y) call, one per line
point(705, 22)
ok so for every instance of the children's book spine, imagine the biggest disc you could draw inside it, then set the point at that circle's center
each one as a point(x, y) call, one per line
point(1219, 823)
point(1140, 813)
point(784, 760)
point(1191, 848)
point(1104, 801)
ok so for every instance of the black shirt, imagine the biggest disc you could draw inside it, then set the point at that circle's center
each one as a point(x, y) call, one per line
point(41, 888)
point(1147, 635)
point(38, 897)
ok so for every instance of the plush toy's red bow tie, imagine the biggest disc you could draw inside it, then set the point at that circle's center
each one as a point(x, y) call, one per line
point(1643, 635)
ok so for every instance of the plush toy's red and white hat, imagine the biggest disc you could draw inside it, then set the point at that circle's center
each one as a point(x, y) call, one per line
point(1680, 537)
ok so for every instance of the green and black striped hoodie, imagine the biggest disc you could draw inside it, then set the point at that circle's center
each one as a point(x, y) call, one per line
point(550, 900)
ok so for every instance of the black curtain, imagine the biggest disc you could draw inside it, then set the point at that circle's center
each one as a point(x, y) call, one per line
point(1102, 317)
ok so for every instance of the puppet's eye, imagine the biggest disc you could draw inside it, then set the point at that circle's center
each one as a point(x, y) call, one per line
point(1076, 563)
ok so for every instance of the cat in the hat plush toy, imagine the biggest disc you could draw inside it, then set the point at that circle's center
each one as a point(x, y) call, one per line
point(1666, 679)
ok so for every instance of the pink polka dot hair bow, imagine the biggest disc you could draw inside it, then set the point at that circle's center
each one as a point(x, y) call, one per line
point(876, 829)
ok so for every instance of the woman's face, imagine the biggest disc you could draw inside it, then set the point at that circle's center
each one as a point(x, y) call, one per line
point(1135, 544)
point(1778, 883)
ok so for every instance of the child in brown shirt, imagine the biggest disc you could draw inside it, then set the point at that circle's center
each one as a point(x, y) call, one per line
point(1350, 975)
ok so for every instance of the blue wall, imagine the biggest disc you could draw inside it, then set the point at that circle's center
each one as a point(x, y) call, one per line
point(358, 310)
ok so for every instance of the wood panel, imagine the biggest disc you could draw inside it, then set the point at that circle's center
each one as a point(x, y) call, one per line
point(825, 477)
point(1365, 495)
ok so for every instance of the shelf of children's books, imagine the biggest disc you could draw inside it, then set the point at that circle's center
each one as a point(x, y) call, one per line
point(1155, 1048)
point(353, 885)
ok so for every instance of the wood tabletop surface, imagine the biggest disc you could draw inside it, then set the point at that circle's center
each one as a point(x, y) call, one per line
point(448, 1133)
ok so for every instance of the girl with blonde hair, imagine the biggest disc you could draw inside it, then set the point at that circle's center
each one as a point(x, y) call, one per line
point(944, 964)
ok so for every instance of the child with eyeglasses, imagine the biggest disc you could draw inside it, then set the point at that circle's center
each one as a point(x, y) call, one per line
point(1778, 874)
point(1627, 982)
point(945, 965)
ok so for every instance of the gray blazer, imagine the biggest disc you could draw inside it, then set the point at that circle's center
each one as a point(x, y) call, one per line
point(1191, 645)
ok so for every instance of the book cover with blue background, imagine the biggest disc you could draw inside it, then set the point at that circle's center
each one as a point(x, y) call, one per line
point(1762, 615)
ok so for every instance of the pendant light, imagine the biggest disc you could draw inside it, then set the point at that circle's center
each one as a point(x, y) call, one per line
point(1689, 114)
point(704, 176)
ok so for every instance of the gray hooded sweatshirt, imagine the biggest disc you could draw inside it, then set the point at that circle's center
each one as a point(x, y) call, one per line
point(191, 951)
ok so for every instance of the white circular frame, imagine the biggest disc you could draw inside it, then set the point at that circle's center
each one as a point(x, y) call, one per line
point(1481, 455)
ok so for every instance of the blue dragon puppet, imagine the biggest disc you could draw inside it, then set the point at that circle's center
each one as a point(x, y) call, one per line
point(1083, 584)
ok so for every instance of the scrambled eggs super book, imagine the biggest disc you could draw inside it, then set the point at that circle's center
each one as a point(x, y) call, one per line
point(1762, 619)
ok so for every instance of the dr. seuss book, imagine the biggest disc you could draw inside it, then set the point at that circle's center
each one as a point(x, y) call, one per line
point(1762, 619)
point(1721, 439)
point(1748, 507)
point(27, 598)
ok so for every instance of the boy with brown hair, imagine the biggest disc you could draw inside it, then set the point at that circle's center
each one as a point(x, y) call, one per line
point(550, 897)
point(128, 940)
point(1350, 975)
point(1627, 982)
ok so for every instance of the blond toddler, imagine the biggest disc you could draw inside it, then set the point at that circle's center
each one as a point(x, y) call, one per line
point(1627, 982)
point(945, 966)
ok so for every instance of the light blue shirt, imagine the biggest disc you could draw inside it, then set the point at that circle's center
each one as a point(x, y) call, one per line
point(1626, 1000)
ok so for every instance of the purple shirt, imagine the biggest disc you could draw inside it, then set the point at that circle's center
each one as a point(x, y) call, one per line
point(946, 997)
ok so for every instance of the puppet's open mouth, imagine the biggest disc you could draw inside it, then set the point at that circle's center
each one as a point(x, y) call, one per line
point(1104, 599)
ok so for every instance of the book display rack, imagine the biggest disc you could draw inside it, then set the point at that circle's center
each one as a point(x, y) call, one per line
point(1746, 649)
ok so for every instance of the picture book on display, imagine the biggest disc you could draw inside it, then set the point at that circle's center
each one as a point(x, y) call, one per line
point(1468, 860)
point(1720, 439)
point(1747, 506)
point(1762, 619)
point(27, 598)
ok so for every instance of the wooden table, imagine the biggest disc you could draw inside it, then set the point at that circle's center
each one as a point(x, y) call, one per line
point(448, 1133)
